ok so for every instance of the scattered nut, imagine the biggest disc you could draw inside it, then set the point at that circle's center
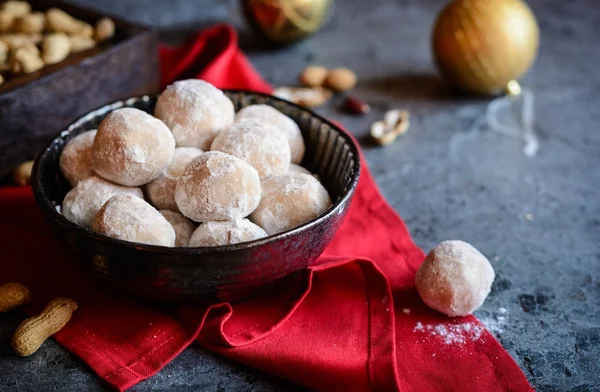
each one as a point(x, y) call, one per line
point(22, 174)
point(395, 123)
point(79, 43)
point(61, 22)
point(313, 76)
point(35, 330)
point(340, 79)
point(6, 21)
point(30, 23)
point(31, 53)
point(56, 48)
point(26, 59)
point(105, 29)
point(306, 96)
point(12, 295)
point(3, 52)
point(16, 8)
point(61, 34)
point(356, 106)
point(15, 41)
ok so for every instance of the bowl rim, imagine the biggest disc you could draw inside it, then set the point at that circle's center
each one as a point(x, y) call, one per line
point(44, 201)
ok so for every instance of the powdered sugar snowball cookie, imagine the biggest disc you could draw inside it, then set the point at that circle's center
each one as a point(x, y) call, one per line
point(82, 203)
point(270, 115)
point(129, 218)
point(132, 147)
point(288, 201)
point(216, 186)
point(298, 169)
point(161, 190)
point(259, 144)
point(76, 158)
point(183, 226)
point(226, 233)
point(455, 278)
point(195, 111)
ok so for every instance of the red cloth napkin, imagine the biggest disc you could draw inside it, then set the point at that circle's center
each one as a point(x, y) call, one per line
point(352, 322)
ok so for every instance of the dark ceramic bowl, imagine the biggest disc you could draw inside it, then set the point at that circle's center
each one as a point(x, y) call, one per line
point(209, 274)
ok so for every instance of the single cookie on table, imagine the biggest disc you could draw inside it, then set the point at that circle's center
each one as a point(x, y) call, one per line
point(226, 233)
point(183, 226)
point(216, 186)
point(259, 144)
point(269, 115)
point(132, 147)
point(195, 111)
point(76, 158)
point(455, 278)
point(129, 218)
point(299, 169)
point(288, 201)
point(82, 203)
point(161, 190)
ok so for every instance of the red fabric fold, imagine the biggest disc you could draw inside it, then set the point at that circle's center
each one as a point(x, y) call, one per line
point(352, 322)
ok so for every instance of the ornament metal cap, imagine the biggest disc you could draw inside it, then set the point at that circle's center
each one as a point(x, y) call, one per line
point(513, 88)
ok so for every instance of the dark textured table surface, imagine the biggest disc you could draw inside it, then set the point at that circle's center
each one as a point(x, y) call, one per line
point(537, 219)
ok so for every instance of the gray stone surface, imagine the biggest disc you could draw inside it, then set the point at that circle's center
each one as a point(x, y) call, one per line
point(449, 177)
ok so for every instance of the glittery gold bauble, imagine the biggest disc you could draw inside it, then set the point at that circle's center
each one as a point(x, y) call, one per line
point(482, 45)
point(285, 21)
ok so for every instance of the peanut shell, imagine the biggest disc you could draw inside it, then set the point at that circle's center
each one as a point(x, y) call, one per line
point(313, 76)
point(340, 79)
point(34, 331)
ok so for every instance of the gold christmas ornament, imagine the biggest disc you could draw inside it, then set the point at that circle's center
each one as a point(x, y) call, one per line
point(482, 45)
point(284, 21)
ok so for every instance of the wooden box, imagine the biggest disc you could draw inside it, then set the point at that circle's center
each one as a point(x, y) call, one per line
point(35, 107)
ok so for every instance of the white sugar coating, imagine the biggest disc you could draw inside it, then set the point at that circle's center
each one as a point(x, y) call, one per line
point(161, 190)
point(82, 203)
point(455, 278)
point(132, 147)
point(195, 111)
point(290, 200)
point(259, 144)
point(76, 158)
point(216, 186)
point(452, 333)
point(226, 233)
point(298, 169)
point(270, 115)
point(183, 226)
point(130, 218)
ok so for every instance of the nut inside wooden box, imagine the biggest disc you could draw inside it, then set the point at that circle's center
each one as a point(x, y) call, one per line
point(35, 107)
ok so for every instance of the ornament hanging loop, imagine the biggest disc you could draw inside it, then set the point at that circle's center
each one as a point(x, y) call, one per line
point(513, 115)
